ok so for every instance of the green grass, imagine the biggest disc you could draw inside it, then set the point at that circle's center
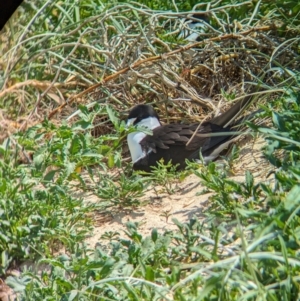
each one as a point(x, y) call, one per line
point(246, 247)
point(37, 218)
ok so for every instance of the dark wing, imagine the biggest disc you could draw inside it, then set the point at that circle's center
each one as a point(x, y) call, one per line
point(166, 136)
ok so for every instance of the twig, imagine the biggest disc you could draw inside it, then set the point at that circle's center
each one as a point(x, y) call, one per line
point(157, 58)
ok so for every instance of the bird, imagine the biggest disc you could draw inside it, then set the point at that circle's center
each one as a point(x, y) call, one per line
point(177, 142)
point(192, 27)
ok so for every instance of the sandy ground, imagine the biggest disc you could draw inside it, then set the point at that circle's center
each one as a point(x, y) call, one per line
point(161, 208)
point(185, 203)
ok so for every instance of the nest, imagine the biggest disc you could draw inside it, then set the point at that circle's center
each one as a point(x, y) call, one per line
point(130, 55)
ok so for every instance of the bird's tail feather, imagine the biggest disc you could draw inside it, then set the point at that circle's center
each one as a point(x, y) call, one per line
point(228, 117)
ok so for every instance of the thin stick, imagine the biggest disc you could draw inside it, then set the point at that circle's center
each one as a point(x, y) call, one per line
point(157, 58)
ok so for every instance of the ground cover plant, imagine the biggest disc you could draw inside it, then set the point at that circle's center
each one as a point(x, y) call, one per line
point(69, 74)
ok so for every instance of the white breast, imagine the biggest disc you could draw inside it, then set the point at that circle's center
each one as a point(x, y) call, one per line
point(134, 139)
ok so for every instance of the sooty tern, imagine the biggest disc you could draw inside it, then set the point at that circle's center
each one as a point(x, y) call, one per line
point(178, 142)
point(191, 28)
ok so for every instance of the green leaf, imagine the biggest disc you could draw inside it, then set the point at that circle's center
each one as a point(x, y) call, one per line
point(82, 125)
point(209, 286)
point(154, 234)
point(17, 284)
point(50, 176)
point(111, 161)
point(70, 167)
point(112, 116)
point(75, 147)
point(72, 295)
point(293, 198)
point(249, 179)
point(38, 160)
point(108, 267)
point(149, 273)
point(277, 120)
point(4, 259)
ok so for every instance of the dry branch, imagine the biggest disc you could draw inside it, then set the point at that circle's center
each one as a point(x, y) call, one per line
point(157, 58)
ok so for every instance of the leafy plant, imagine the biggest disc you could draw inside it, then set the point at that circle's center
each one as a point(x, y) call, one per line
point(244, 247)
point(164, 175)
point(122, 191)
point(174, 263)
point(38, 212)
point(35, 219)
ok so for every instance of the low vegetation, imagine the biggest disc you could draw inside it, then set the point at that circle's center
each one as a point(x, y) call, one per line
point(69, 74)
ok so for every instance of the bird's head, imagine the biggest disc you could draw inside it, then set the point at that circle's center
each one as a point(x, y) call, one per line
point(143, 115)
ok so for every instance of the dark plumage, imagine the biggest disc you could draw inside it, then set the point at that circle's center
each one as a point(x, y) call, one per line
point(177, 142)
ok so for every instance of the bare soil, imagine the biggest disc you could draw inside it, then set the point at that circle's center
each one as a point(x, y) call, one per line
point(185, 203)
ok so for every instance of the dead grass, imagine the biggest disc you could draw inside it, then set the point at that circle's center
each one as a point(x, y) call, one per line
point(129, 60)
